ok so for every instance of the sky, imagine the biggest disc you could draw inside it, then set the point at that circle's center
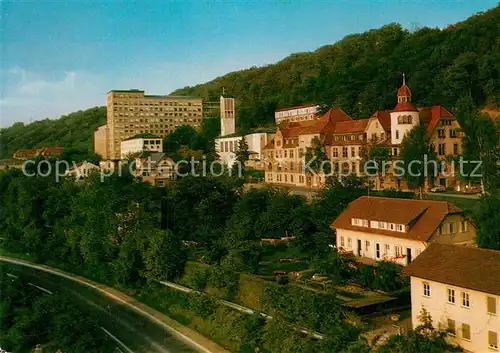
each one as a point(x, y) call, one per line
point(61, 56)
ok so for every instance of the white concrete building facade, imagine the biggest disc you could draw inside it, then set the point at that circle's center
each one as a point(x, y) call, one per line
point(459, 288)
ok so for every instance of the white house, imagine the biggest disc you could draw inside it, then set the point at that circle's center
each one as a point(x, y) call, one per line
point(392, 229)
point(227, 146)
point(82, 170)
point(140, 143)
point(459, 287)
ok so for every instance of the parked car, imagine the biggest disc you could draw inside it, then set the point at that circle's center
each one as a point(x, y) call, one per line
point(439, 188)
point(474, 190)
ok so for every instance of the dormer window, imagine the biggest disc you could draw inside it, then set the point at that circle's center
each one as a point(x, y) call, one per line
point(401, 228)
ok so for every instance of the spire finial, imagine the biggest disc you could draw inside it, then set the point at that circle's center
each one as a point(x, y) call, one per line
point(404, 79)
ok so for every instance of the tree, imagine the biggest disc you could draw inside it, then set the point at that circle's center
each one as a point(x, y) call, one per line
point(419, 158)
point(481, 143)
point(488, 222)
point(316, 157)
point(242, 155)
point(164, 256)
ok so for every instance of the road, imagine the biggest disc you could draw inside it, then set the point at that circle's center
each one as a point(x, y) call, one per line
point(132, 332)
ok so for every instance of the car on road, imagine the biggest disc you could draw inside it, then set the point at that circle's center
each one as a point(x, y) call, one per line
point(439, 188)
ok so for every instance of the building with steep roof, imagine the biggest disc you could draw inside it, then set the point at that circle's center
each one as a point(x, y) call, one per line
point(459, 288)
point(347, 141)
point(380, 228)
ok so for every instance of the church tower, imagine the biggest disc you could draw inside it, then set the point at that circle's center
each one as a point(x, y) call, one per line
point(405, 116)
point(227, 115)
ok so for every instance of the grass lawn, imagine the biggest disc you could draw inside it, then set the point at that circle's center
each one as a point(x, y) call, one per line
point(469, 205)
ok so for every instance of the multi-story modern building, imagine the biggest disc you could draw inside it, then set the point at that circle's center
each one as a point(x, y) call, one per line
point(140, 143)
point(459, 288)
point(298, 113)
point(101, 141)
point(398, 230)
point(347, 141)
point(131, 112)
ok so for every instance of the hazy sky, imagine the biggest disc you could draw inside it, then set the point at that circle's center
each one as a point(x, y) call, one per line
point(62, 56)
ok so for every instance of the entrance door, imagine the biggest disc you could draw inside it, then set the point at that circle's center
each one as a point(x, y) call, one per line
point(377, 250)
point(408, 256)
point(359, 247)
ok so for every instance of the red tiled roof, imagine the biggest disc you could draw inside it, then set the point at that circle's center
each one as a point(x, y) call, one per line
point(458, 265)
point(325, 124)
point(423, 216)
point(405, 107)
point(432, 115)
point(404, 91)
point(353, 126)
point(296, 107)
point(384, 117)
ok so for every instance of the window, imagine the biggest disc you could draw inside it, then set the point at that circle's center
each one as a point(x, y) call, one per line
point(451, 327)
point(451, 296)
point(387, 249)
point(377, 251)
point(455, 148)
point(353, 151)
point(491, 305)
point(453, 227)
point(492, 339)
point(464, 226)
point(374, 224)
point(397, 250)
point(365, 222)
point(344, 152)
point(427, 289)
point(441, 133)
point(401, 228)
point(382, 225)
point(349, 243)
point(465, 299)
point(453, 133)
point(397, 137)
point(342, 242)
point(392, 226)
point(367, 245)
point(441, 149)
point(291, 153)
point(335, 152)
point(285, 153)
point(466, 331)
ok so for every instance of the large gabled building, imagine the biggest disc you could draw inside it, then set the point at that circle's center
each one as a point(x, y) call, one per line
point(346, 142)
point(459, 287)
point(398, 230)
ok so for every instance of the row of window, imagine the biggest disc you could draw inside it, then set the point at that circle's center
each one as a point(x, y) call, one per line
point(160, 103)
point(466, 330)
point(381, 250)
point(491, 302)
point(355, 152)
point(286, 178)
point(442, 149)
point(442, 133)
point(451, 227)
point(359, 137)
point(134, 115)
point(155, 109)
point(378, 225)
point(228, 146)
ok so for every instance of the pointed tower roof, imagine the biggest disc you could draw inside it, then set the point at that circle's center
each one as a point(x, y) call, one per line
point(404, 99)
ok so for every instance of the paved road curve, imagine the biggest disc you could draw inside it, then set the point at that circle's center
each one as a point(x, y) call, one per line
point(132, 331)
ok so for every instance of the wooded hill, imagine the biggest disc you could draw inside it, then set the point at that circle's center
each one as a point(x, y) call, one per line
point(362, 72)
point(72, 131)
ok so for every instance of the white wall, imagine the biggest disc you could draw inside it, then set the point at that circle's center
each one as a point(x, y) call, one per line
point(402, 128)
point(416, 246)
point(138, 145)
point(440, 310)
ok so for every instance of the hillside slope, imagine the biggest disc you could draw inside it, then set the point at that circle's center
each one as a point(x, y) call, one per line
point(74, 130)
point(362, 72)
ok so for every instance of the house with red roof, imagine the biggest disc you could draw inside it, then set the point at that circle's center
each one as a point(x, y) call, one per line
point(398, 230)
point(346, 141)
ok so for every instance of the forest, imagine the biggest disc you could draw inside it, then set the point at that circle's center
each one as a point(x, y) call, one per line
point(361, 73)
